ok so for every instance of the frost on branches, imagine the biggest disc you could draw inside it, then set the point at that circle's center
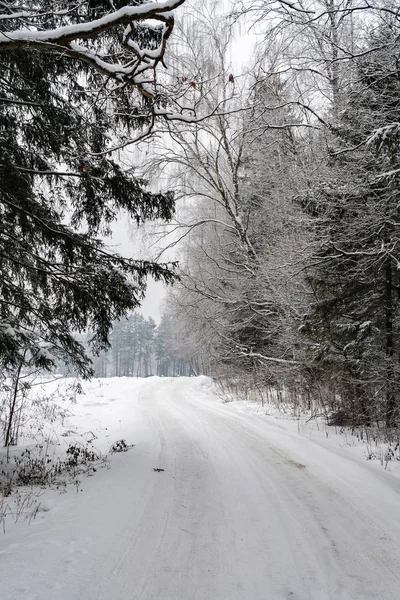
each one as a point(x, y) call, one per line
point(78, 81)
point(124, 41)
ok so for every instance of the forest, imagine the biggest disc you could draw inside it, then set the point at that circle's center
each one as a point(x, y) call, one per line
point(288, 216)
point(199, 299)
point(259, 142)
point(138, 348)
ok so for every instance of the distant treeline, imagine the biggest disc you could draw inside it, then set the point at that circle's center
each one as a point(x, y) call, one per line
point(140, 349)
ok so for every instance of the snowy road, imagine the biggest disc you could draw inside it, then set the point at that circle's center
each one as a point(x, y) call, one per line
point(242, 511)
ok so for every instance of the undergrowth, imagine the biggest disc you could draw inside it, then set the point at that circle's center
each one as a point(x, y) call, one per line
point(379, 441)
point(25, 475)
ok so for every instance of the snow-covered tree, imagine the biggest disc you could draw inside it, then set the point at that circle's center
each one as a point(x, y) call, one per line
point(354, 316)
point(78, 81)
point(229, 173)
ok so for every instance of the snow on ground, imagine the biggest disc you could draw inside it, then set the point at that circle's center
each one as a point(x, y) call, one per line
point(249, 506)
point(360, 445)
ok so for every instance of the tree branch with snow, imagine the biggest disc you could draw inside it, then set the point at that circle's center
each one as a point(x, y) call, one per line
point(73, 33)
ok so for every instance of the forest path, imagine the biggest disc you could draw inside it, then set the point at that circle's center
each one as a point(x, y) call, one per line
point(242, 511)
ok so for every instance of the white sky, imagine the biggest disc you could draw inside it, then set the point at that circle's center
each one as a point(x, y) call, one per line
point(130, 241)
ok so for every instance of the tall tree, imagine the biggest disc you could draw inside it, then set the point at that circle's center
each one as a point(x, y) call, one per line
point(355, 316)
point(229, 171)
point(67, 102)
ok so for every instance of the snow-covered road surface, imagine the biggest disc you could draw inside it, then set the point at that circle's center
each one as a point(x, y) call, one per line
point(244, 510)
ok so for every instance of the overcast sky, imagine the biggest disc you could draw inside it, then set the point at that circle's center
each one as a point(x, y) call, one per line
point(131, 241)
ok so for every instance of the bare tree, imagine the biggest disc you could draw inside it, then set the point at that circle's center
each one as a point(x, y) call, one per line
point(228, 172)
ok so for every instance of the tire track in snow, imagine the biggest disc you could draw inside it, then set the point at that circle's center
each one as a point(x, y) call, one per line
point(234, 516)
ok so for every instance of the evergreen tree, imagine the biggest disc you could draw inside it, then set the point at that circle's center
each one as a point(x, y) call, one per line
point(354, 320)
point(61, 188)
point(132, 349)
point(169, 348)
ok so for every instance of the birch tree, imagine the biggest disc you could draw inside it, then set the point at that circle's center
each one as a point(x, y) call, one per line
point(228, 171)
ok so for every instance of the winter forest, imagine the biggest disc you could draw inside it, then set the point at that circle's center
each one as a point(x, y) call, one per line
point(138, 348)
point(252, 149)
point(273, 136)
point(288, 257)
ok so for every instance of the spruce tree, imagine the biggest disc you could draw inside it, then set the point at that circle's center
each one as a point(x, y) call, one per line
point(60, 189)
point(354, 320)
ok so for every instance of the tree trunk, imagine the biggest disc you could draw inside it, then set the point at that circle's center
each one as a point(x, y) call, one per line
point(390, 396)
point(8, 437)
